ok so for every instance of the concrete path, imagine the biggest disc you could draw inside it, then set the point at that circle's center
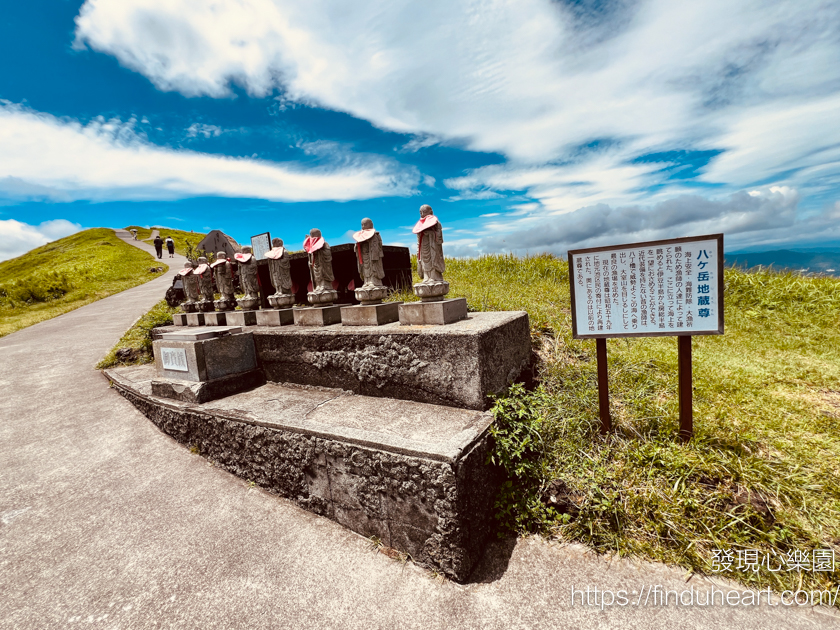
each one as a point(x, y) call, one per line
point(106, 522)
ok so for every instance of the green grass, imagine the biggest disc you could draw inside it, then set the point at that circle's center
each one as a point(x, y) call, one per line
point(66, 274)
point(183, 240)
point(763, 470)
point(137, 340)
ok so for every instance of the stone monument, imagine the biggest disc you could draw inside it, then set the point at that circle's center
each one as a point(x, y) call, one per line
point(223, 271)
point(280, 269)
point(205, 285)
point(369, 255)
point(432, 288)
point(322, 296)
point(192, 293)
point(248, 279)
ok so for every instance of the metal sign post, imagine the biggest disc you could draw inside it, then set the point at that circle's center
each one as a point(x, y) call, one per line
point(657, 288)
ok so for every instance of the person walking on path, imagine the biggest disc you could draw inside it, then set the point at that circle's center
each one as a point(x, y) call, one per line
point(159, 246)
point(170, 245)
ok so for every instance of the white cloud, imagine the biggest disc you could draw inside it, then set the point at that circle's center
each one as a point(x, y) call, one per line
point(533, 80)
point(17, 238)
point(202, 129)
point(44, 157)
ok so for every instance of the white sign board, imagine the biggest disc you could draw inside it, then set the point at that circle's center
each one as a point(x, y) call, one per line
point(174, 359)
point(658, 288)
point(260, 244)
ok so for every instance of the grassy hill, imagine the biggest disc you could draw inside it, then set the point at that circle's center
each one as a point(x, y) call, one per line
point(763, 471)
point(68, 273)
point(183, 240)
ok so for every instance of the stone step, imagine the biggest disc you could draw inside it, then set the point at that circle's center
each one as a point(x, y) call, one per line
point(412, 474)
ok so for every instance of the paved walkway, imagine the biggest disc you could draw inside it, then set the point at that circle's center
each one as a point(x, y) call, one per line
point(107, 522)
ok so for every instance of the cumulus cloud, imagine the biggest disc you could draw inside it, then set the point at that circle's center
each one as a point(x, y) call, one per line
point(533, 80)
point(740, 216)
point(45, 157)
point(202, 129)
point(17, 238)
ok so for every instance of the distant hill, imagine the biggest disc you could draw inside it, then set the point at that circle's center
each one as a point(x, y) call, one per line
point(68, 273)
point(824, 262)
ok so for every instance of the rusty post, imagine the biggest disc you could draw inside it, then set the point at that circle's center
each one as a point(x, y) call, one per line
point(603, 385)
point(685, 389)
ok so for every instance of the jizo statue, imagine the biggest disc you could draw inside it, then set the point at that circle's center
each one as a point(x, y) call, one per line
point(248, 276)
point(369, 255)
point(223, 271)
point(280, 267)
point(320, 261)
point(205, 283)
point(429, 233)
point(191, 288)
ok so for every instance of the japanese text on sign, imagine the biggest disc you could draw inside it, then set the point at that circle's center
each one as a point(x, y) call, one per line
point(174, 359)
point(665, 288)
point(260, 244)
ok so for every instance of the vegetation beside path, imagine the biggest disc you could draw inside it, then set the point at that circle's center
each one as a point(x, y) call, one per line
point(135, 346)
point(762, 475)
point(68, 273)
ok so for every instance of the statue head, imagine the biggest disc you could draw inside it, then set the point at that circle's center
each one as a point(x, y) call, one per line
point(246, 249)
point(202, 260)
point(315, 233)
point(277, 242)
point(367, 224)
point(188, 265)
point(221, 256)
point(425, 210)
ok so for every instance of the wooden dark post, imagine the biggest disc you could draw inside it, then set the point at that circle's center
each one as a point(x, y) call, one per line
point(603, 385)
point(685, 389)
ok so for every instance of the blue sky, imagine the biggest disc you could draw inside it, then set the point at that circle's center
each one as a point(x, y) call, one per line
point(528, 125)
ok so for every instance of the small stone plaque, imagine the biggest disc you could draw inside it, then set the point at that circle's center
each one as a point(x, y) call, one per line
point(174, 359)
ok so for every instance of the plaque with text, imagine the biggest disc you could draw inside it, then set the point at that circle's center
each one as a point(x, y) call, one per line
point(174, 359)
point(657, 288)
point(260, 244)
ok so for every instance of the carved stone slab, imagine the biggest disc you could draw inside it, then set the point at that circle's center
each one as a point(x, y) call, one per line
point(317, 315)
point(433, 313)
point(215, 319)
point(242, 318)
point(195, 319)
point(179, 319)
point(275, 317)
point(370, 314)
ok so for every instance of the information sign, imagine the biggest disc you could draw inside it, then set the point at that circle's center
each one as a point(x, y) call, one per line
point(671, 287)
point(260, 244)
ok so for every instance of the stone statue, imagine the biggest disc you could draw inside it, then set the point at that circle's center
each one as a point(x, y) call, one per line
point(320, 270)
point(223, 271)
point(249, 279)
point(191, 290)
point(369, 255)
point(430, 263)
point(205, 284)
point(281, 275)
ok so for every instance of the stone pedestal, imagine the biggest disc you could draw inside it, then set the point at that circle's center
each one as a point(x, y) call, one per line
point(275, 317)
point(433, 313)
point(370, 314)
point(224, 305)
point(322, 298)
point(282, 300)
point(371, 295)
point(194, 368)
point(179, 319)
point(317, 315)
point(215, 319)
point(205, 306)
point(248, 304)
point(195, 319)
point(431, 291)
point(189, 307)
point(241, 318)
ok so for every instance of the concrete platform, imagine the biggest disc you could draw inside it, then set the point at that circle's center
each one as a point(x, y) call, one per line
point(241, 318)
point(412, 474)
point(370, 314)
point(205, 391)
point(437, 313)
point(456, 365)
